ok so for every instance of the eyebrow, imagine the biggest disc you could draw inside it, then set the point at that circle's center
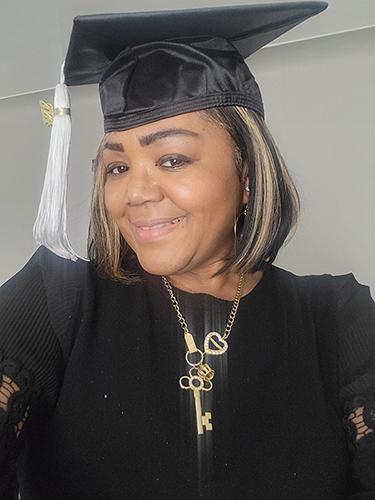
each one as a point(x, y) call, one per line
point(146, 140)
point(114, 146)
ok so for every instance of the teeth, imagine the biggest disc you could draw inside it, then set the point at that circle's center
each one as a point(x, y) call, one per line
point(162, 225)
point(154, 227)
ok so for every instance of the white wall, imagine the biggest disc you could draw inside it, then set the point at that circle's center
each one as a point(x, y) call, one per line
point(320, 105)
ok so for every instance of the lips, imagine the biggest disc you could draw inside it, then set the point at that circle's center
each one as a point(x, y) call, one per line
point(160, 224)
point(155, 229)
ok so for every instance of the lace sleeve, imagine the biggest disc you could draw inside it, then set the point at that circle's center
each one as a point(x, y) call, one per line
point(357, 383)
point(359, 423)
point(17, 396)
point(31, 364)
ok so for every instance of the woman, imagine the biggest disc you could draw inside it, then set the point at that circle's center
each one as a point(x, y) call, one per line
point(178, 362)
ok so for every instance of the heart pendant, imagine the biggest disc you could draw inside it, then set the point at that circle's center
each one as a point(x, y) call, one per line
point(216, 340)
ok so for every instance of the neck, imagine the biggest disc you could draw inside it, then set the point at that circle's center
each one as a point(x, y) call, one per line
point(224, 286)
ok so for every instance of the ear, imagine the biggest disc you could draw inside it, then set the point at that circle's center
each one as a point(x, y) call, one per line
point(245, 198)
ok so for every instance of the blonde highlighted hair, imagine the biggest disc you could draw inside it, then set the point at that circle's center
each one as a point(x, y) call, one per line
point(272, 209)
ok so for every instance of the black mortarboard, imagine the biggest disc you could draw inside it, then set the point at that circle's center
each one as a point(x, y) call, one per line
point(155, 65)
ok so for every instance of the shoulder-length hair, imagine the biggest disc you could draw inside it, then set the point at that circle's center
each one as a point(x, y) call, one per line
point(271, 212)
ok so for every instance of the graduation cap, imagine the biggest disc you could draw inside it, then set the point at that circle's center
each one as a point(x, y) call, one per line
point(155, 65)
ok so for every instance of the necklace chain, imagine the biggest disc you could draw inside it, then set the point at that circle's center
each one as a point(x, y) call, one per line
point(201, 374)
point(232, 314)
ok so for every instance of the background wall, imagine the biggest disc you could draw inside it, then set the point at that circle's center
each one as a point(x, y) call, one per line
point(318, 85)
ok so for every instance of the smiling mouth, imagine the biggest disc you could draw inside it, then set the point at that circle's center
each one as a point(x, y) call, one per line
point(158, 226)
point(151, 231)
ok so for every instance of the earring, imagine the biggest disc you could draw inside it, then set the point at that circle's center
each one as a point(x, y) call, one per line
point(247, 189)
point(241, 216)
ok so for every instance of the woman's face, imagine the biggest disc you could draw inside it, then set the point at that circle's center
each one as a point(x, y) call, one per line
point(173, 190)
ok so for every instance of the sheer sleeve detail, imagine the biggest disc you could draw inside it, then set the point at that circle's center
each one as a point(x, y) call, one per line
point(359, 423)
point(363, 421)
point(17, 397)
point(8, 389)
point(355, 324)
point(38, 325)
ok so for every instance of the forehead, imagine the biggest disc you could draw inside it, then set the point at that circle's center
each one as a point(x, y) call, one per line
point(193, 127)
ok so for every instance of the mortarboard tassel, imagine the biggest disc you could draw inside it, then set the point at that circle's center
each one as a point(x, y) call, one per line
point(51, 221)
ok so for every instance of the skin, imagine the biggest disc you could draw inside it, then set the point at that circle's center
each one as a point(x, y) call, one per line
point(173, 190)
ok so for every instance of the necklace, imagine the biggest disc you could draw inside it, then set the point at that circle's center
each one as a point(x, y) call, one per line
point(200, 373)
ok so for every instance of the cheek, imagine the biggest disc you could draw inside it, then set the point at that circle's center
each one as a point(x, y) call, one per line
point(225, 193)
point(112, 202)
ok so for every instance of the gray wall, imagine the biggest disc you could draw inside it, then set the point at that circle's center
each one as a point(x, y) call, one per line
point(318, 84)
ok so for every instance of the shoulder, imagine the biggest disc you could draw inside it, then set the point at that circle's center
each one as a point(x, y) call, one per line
point(320, 288)
point(40, 300)
point(36, 307)
point(342, 313)
point(328, 301)
point(46, 278)
point(47, 268)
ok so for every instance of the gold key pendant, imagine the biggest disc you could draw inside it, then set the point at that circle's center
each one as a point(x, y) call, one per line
point(202, 420)
point(189, 382)
point(199, 379)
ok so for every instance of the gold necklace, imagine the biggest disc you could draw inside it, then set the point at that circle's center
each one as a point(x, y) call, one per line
point(200, 373)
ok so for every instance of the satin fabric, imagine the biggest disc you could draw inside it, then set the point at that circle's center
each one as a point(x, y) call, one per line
point(162, 79)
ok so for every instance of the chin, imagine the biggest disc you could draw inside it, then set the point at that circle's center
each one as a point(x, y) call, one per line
point(158, 267)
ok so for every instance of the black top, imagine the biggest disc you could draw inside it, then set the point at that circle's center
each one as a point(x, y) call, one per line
point(97, 411)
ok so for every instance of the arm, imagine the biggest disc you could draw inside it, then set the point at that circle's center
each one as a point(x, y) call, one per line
point(356, 335)
point(30, 365)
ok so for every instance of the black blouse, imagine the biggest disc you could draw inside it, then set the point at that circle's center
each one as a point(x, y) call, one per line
point(91, 407)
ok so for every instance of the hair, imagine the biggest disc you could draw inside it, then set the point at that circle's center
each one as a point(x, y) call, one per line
point(271, 212)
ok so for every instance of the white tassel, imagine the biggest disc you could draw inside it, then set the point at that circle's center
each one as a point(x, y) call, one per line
point(50, 225)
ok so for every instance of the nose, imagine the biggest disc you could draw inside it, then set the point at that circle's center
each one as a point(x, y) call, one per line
point(142, 186)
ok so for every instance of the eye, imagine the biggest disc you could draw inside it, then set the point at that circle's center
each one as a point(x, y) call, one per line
point(174, 162)
point(116, 169)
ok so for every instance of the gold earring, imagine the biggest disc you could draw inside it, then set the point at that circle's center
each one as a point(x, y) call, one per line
point(243, 213)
